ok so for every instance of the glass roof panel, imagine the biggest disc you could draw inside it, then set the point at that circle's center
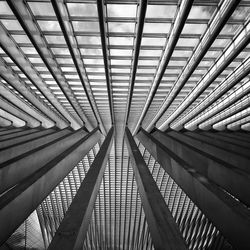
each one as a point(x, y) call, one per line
point(42, 8)
point(5, 9)
point(161, 11)
point(121, 41)
point(157, 27)
point(120, 10)
point(55, 39)
point(121, 27)
point(78, 9)
point(49, 25)
point(11, 24)
point(201, 12)
point(86, 26)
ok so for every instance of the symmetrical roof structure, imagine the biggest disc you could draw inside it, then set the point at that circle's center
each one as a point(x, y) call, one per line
point(178, 65)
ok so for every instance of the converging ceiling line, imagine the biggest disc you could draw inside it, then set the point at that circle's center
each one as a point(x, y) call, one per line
point(26, 20)
point(213, 30)
point(138, 38)
point(105, 44)
point(62, 16)
point(173, 38)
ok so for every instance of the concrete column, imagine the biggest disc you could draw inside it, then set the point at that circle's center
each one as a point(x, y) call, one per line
point(73, 229)
point(230, 216)
point(238, 160)
point(17, 133)
point(19, 102)
point(16, 111)
point(9, 131)
point(46, 136)
point(227, 176)
point(26, 138)
point(229, 138)
point(16, 122)
point(163, 229)
point(235, 146)
point(16, 169)
point(5, 122)
point(21, 200)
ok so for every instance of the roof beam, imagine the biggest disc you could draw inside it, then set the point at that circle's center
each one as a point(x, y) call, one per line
point(136, 52)
point(22, 165)
point(224, 174)
point(17, 204)
point(73, 229)
point(32, 140)
point(16, 122)
point(18, 102)
point(13, 80)
point(62, 17)
point(163, 229)
point(191, 120)
point(105, 52)
point(216, 25)
point(221, 119)
point(4, 122)
point(232, 51)
point(196, 186)
point(26, 20)
point(172, 41)
point(243, 112)
point(17, 112)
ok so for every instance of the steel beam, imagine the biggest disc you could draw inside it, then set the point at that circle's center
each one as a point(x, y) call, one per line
point(192, 119)
point(216, 25)
point(105, 52)
point(73, 229)
point(21, 200)
point(18, 102)
point(16, 169)
point(219, 121)
point(17, 112)
point(13, 80)
point(238, 113)
point(172, 41)
point(27, 22)
point(230, 216)
point(225, 175)
point(136, 51)
point(62, 17)
point(240, 41)
point(163, 229)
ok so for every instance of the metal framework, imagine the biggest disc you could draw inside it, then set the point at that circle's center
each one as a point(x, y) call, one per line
point(172, 68)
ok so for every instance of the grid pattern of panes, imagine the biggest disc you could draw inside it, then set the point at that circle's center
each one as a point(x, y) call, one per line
point(57, 54)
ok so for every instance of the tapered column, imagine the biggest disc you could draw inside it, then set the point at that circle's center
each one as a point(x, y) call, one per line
point(229, 177)
point(215, 148)
point(21, 200)
point(163, 229)
point(230, 216)
point(73, 229)
point(19, 167)
point(39, 139)
point(17, 133)
point(18, 140)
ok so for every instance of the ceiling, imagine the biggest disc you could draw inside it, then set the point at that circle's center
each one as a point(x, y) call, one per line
point(165, 64)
